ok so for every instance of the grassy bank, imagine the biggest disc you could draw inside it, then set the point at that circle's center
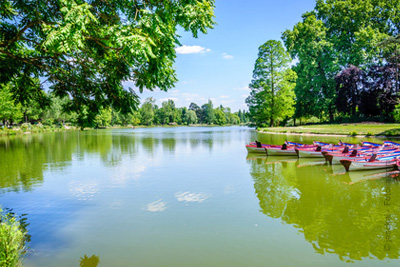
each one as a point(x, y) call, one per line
point(28, 129)
point(362, 129)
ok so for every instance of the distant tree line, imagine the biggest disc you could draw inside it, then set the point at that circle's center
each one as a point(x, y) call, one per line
point(347, 59)
point(13, 112)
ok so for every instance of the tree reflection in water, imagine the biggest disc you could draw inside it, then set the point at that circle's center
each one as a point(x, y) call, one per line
point(354, 221)
point(93, 261)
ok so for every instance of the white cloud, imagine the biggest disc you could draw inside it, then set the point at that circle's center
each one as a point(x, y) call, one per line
point(224, 96)
point(226, 56)
point(244, 88)
point(191, 197)
point(190, 97)
point(226, 103)
point(194, 49)
point(175, 91)
point(155, 206)
point(244, 96)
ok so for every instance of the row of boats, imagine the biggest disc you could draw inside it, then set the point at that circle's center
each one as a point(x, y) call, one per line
point(366, 156)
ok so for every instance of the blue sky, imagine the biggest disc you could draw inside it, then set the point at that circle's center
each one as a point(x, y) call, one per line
point(219, 65)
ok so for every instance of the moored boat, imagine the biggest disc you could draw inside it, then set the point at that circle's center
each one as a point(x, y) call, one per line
point(315, 152)
point(336, 157)
point(255, 149)
point(287, 149)
point(372, 163)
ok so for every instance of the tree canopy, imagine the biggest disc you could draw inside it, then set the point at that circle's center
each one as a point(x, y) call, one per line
point(336, 38)
point(272, 97)
point(86, 49)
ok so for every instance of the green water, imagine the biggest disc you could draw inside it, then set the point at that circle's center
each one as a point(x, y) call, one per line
point(193, 197)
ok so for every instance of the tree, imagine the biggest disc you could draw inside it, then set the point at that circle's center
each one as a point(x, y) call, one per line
point(272, 96)
point(9, 110)
point(104, 118)
point(86, 49)
point(220, 118)
point(381, 90)
point(349, 84)
point(240, 115)
point(198, 110)
point(190, 117)
point(391, 53)
point(147, 111)
point(167, 112)
point(355, 27)
point(208, 113)
point(316, 67)
point(54, 112)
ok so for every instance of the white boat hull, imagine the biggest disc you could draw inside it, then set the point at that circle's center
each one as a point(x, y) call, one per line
point(353, 165)
point(280, 152)
point(309, 153)
point(337, 159)
point(254, 149)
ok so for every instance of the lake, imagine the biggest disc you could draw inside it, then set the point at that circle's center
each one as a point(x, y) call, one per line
point(192, 196)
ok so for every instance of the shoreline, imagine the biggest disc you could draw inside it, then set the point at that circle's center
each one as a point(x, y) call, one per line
point(49, 129)
point(333, 135)
point(357, 130)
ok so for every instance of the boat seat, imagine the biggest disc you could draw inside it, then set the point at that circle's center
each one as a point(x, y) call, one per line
point(353, 153)
point(284, 146)
point(258, 144)
point(318, 148)
point(373, 158)
point(346, 149)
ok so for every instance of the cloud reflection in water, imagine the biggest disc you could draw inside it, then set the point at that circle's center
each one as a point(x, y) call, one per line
point(191, 197)
point(155, 206)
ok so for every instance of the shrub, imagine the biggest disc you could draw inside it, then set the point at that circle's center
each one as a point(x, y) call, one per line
point(369, 134)
point(353, 133)
point(313, 120)
point(25, 126)
point(12, 240)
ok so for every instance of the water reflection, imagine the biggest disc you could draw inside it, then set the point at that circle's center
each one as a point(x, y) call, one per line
point(93, 261)
point(156, 206)
point(354, 221)
point(191, 197)
point(25, 159)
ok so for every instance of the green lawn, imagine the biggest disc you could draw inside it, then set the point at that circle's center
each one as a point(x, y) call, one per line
point(388, 129)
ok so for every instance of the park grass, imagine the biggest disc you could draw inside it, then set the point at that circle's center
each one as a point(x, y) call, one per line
point(363, 129)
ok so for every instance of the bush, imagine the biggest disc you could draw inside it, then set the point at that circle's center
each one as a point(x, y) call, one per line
point(25, 126)
point(353, 133)
point(48, 121)
point(369, 134)
point(313, 120)
point(12, 240)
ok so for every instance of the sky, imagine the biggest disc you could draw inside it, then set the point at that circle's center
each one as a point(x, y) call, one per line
point(219, 65)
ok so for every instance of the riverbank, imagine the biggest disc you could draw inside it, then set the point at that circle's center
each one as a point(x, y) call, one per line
point(348, 129)
point(30, 129)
